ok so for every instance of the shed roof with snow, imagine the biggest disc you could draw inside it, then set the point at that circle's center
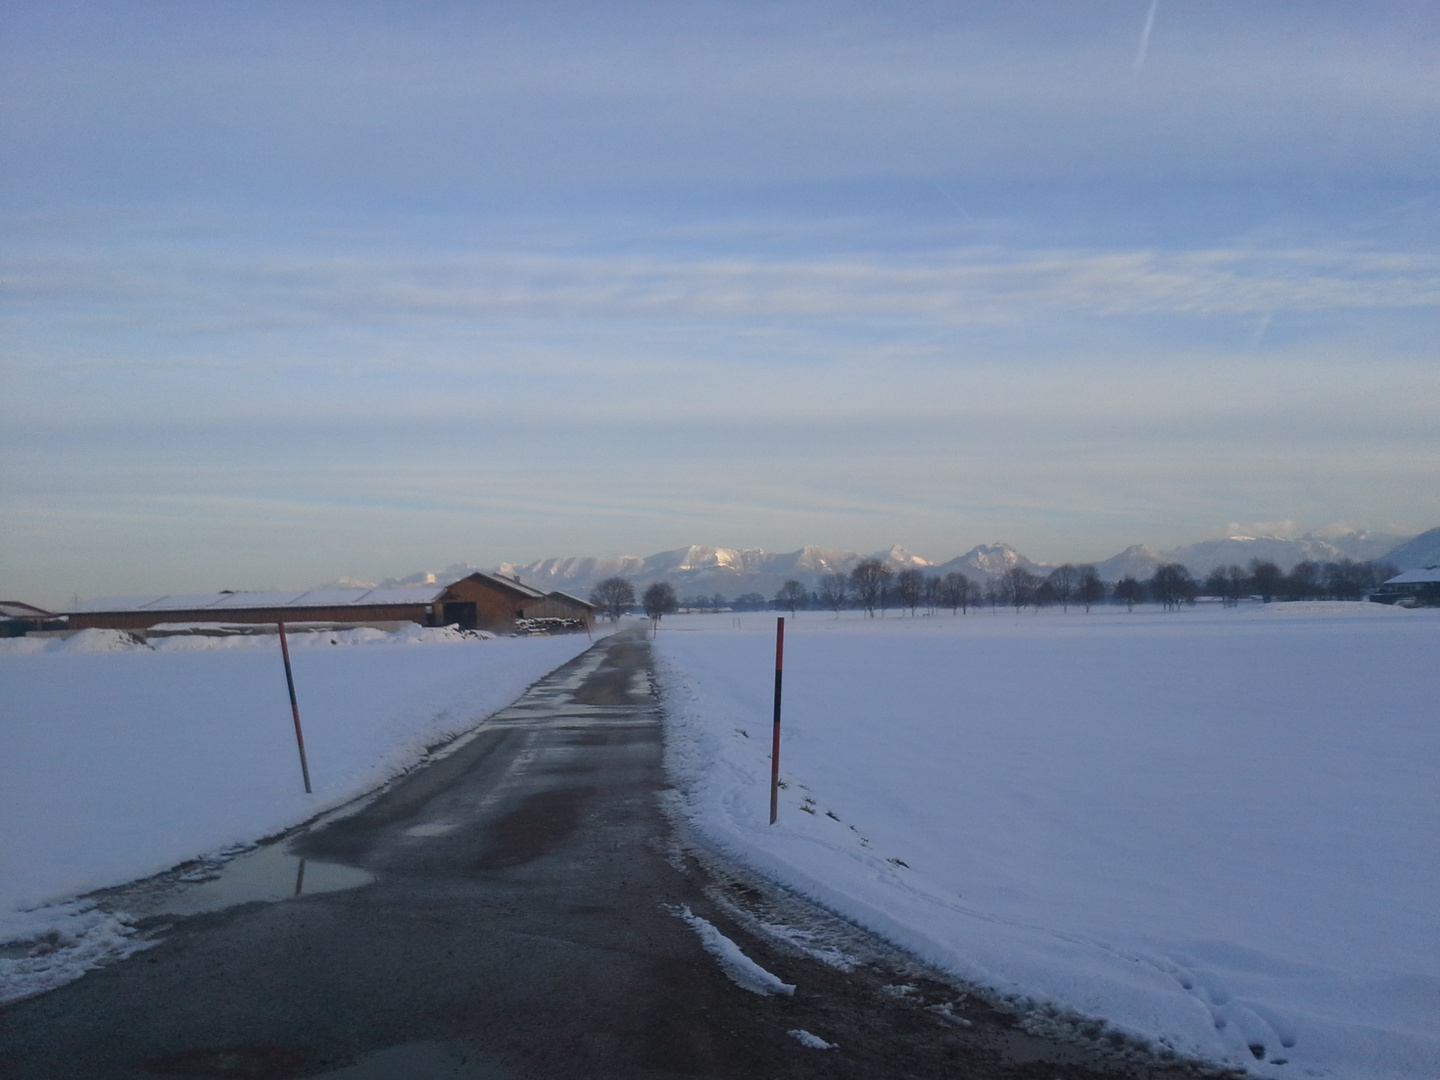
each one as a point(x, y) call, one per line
point(230, 601)
point(1427, 575)
point(479, 600)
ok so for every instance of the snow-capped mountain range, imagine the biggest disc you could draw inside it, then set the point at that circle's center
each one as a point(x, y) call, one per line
point(697, 570)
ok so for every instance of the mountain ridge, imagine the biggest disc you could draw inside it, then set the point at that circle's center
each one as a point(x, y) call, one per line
point(703, 570)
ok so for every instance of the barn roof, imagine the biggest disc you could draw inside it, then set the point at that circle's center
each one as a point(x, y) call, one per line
point(239, 601)
point(572, 598)
point(304, 598)
point(1423, 576)
point(514, 585)
point(18, 609)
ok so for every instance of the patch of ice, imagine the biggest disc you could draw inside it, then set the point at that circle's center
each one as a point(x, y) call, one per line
point(814, 1042)
point(743, 971)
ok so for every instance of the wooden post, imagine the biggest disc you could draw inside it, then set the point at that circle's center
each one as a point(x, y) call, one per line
point(775, 745)
point(294, 708)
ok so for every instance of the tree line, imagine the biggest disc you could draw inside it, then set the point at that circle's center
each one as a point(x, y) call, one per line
point(875, 587)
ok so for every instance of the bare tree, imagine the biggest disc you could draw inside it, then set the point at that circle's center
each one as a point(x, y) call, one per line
point(659, 600)
point(834, 591)
point(1266, 578)
point(934, 593)
point(792, 595)
point(1044, 595)
point(1130, 591)
point(1017, 587)
point(1304, 581)
point(614, 597)
point(1091, 589)
point(1172, 586)
point(869, 580)
point(993, 595)
point(1235, 585)
point(1065, 580)
point(1216, 585)
point(955, 591)
point(1347, 579)
point(1228, 583)
point(910, 588)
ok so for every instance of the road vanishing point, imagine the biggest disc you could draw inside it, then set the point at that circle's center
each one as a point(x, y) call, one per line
point(515, 910)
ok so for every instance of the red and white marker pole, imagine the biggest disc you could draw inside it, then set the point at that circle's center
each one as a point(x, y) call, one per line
point(775, 745)
point(294, 708)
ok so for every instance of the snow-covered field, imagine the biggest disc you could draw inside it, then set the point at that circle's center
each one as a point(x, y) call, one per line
point(118, 761)
point(1215, 829)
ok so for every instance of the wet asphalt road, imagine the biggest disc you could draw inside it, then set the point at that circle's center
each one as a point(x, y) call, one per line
point(521, 924)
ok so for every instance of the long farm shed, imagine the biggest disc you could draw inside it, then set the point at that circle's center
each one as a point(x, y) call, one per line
point(479, 601)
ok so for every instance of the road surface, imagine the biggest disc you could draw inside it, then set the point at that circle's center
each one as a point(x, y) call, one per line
point(513, 910)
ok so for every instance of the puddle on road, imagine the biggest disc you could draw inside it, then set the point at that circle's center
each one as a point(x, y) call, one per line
point(541, 822)
point(432, 828)
point(266, 874)
point(407, 1061)
point(420, 1061)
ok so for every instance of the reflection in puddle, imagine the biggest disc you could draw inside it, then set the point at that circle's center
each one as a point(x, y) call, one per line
point(268, 873)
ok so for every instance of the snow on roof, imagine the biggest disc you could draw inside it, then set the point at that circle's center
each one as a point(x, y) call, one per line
point(245, 600)
point(572, 598)
point(1426, 575)
point(18, 609)
point(116, 603)
point(235, 601)
point(403, 594)
point(509, 583)
point(334, 597)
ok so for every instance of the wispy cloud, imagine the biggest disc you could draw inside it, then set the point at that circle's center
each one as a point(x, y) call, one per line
point(236, 296)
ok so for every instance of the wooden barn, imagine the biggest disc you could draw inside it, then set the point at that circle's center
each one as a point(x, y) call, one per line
point(480, 601)
point(489, 601)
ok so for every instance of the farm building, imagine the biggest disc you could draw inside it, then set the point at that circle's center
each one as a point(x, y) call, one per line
point(479, 601)
point(18, 618)
point(1413, 588)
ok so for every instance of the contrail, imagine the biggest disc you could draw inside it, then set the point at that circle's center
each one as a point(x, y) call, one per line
point(953, 203)
point(1145, 35)
point(1260, 330)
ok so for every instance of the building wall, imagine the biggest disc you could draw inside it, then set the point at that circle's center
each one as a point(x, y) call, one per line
point(496, 607)
point(142, 620)
point(558, 607)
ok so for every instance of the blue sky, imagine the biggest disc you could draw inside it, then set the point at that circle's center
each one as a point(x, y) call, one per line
point(296, 291)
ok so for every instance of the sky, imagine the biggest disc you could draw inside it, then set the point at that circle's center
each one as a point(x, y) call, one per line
point(302, 291)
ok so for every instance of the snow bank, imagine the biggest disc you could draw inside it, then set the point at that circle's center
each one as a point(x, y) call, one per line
point(1213, 829)
point(739, 968)
point(56, 944)
point(96, 640)
point(118, 761)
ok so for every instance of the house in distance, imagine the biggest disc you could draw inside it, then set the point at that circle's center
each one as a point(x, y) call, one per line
point(1413, 588)
point(477, 602)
